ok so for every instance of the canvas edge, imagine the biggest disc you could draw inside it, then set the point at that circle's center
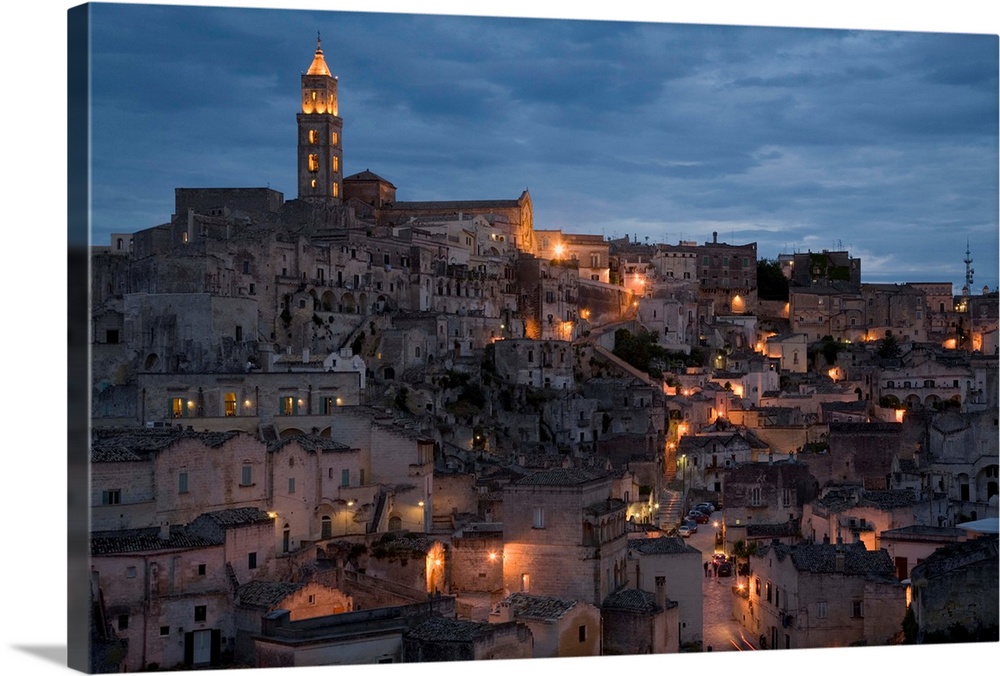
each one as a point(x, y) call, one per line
point(78, 653)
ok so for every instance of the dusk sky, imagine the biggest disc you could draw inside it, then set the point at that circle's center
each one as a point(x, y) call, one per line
point(882, 143)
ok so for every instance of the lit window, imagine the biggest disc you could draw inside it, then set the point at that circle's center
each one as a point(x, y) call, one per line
point(230, 404)
point(336, 190)
point(313, 136)
point(184, 237)
point(336, 164)
point(177, 407)
point(313, 163)
point(336, 138)
point(289, 406)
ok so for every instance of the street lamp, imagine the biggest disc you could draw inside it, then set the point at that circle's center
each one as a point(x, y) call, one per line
point(350, 503)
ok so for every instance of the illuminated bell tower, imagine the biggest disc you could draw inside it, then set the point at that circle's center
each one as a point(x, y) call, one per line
point(320, 160)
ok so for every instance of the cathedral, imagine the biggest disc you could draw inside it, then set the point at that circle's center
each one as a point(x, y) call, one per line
point(239, 279)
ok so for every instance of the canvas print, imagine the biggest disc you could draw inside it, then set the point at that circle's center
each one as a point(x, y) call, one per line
point(418, 338)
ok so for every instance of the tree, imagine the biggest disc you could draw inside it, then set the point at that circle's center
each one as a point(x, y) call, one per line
point(888, 347)
point(743, 550)
point(771, 282)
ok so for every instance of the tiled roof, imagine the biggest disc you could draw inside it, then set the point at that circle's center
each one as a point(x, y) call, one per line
point(144, 540)
point(237, 516)
point(134, 444)
point(366, 175)
point(822, 558)
point(457, 204)
point(604, 506)
point(528, 606)
point(266, 594)
point(444, 629)
point(661, 545)
point(563, 477)
point(864, 428)
point(952, 558)
point(839, 501)
point(636, 600)
point(312, 443)
point(777, 530)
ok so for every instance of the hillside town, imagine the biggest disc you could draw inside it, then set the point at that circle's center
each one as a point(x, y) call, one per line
point(347, 428)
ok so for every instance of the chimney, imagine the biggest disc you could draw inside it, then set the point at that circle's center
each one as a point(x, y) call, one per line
point(165, 530)
point(661, 591)
point(715, 237)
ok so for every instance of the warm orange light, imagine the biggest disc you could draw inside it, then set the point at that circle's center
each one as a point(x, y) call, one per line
point(899, 415)
point(493, 556)
point(559, 250)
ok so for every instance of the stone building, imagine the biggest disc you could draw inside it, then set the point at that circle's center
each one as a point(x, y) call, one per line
point(568, 538)
point(821, 596)
point(955, 591)
point(758, 494)
point(639, 623)
point(168, 590)
point(440, 639)
point(852, 514)
point(670, 570)
point(559, 627)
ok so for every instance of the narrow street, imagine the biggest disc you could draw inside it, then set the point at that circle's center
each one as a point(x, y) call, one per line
point(721, 631)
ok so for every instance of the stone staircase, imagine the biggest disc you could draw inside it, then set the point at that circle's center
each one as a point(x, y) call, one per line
point(671, 506)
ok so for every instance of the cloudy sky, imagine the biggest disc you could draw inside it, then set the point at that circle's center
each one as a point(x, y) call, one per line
point(883, 143)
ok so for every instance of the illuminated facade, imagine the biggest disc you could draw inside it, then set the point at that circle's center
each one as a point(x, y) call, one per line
point(320, 157)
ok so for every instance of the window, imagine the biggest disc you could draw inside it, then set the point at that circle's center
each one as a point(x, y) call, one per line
point(252, 560)
point(112, 497)
point(246, 477)
point(821, 610)
point(246, 267)
point(239, 334)
point(200, 613)
point(184, 237)
point(313, 136)
point(326, 528)
point(291, 485)
point(288, 406)
point(326, 405)
point(538, 518)
point(313, 163)
point(335, 138)
point(182, 482)
point(336, 164)
point(202, 569)
point(111, 336)
point(345, 477)
point(177, 407)
point(165, 630)
point(312, 599)
point(130, 572)
point(230, 404)
point(582, 632)
point(755, 500)
point(757, 586)
point(786, 497)
point(122, 622)
point(767, 591)
point(857, 608)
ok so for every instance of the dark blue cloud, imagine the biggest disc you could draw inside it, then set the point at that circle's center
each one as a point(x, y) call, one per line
point(792, 135)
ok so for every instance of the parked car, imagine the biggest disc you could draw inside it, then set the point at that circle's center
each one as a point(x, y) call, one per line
point(719, 558)
point(697, 517)
point(691, 525)
point(706, 507)
point(725, 569)
point(684, 532)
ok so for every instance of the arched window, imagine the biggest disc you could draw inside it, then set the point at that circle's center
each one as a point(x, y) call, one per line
point(286, 539)
point(326, 528)
point(395, 523)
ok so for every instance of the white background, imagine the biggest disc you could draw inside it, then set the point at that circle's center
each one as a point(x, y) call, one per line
point(33, 358)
